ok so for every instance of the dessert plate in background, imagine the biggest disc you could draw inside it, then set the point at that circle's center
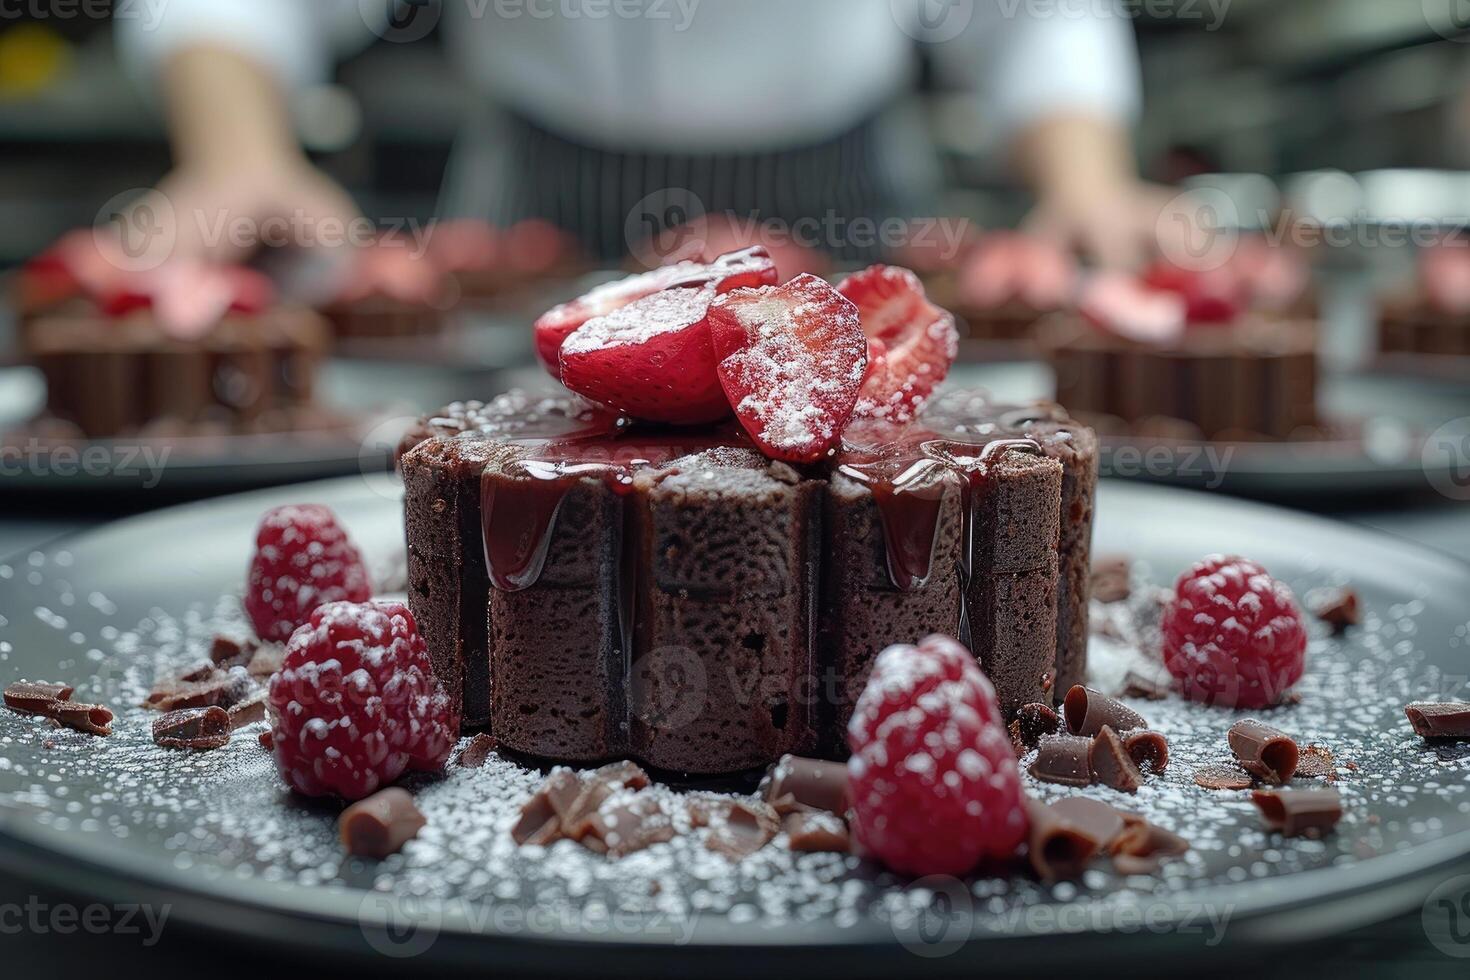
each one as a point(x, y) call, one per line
point(217, 837)
point(1390, 418)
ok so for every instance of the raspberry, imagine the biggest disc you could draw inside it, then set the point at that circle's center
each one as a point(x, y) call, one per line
point(1233, 635)
point(933, 776)
point(355, 703)
point(303, 559)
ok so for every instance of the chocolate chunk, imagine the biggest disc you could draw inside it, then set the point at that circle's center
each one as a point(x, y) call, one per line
point(478, 751)
point(1431, 719)
point(248, 711)
point(221, 688)
point(1149, 750)
point(1094, 818)
point(1267, 753)
point(541, 817)
point(89, 719)
point(1056, 847)
point(1138, 686)
point(193, 728)
point(1110, 578)
point(203, 672)
point(1111, 764)
point(745, 829)
point(1087, 711)
point(225, 652)
point(381, 824)
point(1222, 777)
point(1299, 812)
point(1033, 722)
point(795, 784)
point(628, 827)
point(1337, 607)
point(266, 660)
point(1063, 759)
point(816, 832)
point(600, 786)
point(1140, 848)
point(1315, 763)
point(36, 697)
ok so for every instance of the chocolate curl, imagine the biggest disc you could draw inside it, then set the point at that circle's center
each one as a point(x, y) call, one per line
point(1149, 750)
point(1111, 764)
point(89, 719)
point(746, 828)
point(542, 815)
point(1267, 753)
point(1057, 848)
point(477, 752)
point(1300, 812)
point(1063, 759)
point(1032, 723)
point(381, 824)
point(628, 827)
point(1087, 711)
point(1439, 719)
point(193, 728)
point(795, 784)
point(1140, 848)
point(36, 697)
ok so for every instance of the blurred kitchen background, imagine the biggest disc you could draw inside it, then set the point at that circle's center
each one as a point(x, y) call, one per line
point(1273, 88)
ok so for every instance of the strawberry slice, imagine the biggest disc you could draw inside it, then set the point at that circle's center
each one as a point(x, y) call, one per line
point(651, 359)
point(792, 359)
point(919, 340)
point(1120, 304)
point(1215, 296)
point(751, 267)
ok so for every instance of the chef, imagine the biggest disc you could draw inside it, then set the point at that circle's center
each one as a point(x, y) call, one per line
point(789, 110)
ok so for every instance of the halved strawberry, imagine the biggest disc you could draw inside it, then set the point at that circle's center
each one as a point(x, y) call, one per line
point(651, 359)
point(751, 267)
point(792, 359)
point(919, 339)
point(1213, 296)
point(1120, 304)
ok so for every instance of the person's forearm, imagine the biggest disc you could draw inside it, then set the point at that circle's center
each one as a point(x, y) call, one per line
point(225, 111)
point(1071, 152)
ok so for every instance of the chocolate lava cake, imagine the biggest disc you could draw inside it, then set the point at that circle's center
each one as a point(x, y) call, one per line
point(630, 565)
point(119, 376)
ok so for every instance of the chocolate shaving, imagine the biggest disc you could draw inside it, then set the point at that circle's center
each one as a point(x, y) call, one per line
point(1299, 812)
point(817, 832)
point(1149, 750)
point(193, 728)
point(1063, 759)
point(222, 688)
point(89, 719)
point(249, 711)
point(1096, 819)
point(1056, 847)
point(36, 697)
point(381, 824)
point(1138, 686)
point(1267, 753)
point(1087, 711)
point(1111, 763)
point(1337, 607)
point(795, 784)
point(1032, 723)
point(225, 652)
point(597, 789)
point(1316, 763)
point(1437, 719)
point(1222, 777)
point(1110, 578)
point(745, 829)
point(628, 827)
point(477, 752)
point(265, 661)
point(541, 816)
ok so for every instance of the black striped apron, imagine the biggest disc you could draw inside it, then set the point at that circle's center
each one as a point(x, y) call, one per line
point(511, 168)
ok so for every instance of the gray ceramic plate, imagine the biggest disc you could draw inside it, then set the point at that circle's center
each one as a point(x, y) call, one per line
point(217, 838)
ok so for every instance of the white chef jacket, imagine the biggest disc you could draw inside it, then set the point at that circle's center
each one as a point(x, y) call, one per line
point(693, 75)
